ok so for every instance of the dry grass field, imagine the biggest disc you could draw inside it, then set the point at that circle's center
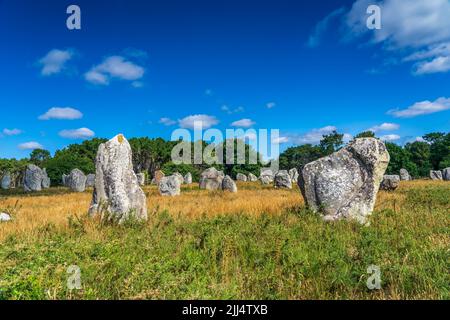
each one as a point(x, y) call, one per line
point(260, 243)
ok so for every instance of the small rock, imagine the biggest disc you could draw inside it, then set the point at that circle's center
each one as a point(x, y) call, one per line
point(6, 181)
point(404, 175)
point(241, 177)
point(390, 182)
point(446, 174)
point(229, 185)
point(266, 176)
point(283, 180)
point(188, 178)
point(4, 217)
point(141, 178)
point(170, 186)
point(211, 179)
point(435, 175)
point(293, 173)
point(180, 177)
point(77, 181)
point(252, 177)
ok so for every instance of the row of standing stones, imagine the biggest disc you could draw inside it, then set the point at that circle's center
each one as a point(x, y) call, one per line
point(342, 185)
point(391, 182)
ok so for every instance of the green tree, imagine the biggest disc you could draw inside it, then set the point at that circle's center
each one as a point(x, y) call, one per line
point(331, 143)
point(297, 157)
point(365, 134)
point(419, 154)
point(39, 157)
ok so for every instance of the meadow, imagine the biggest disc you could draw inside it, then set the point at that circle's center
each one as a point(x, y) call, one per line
point(260, 243)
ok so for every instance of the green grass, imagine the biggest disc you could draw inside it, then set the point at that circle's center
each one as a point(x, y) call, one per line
point(292, 256)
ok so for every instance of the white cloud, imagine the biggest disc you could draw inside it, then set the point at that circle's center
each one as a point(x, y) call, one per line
point(30, 145)
point(347, 137)
point(61, 114)
point(280, 140)
point(271, 105)
point(315, 135)
point(417, 26)
point(167, 121)
point(385, 127)
point(204, 120)
point(243, 123)
point(54, 61)
point(81, 133)
point(114, 67)
point(422, 108)
point(11, 132)
point(321, 27)
point(390, 137)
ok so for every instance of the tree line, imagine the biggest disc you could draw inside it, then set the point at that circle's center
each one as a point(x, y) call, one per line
point(152, 154)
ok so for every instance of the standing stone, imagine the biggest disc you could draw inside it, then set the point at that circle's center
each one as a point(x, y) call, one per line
point(266, 176)
point(45, 180)
point(157, 176)
point(345, 184)
point(32, 180)
point(241, 177)
point(6, 181)
point(116, 187)
point(141, 179)
point(293, 173)
point(404, 175)
point(4, 217)
point(77, 181)
point(170, 186)
point(229, 185)
point(90, 180)
point(252, 177)
point(283, 180)
point(390, 182)
point(446, 174)
point(188, 178)
point(179, 176)
point(435, 175)
point(211, 179)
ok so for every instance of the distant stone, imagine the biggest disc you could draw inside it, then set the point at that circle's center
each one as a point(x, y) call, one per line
point(32, 180)
point(252, 177)
point(65, 180)
point(188, 178)
point(241, 177)
point(45, 180)
point(141, 178)
point(6, 181)
point(404, 175)
point(90, 180)
point(116, 187)
point(76, 180)
point(211, 179)
point(390, 182)
point(293, 173)
point(157, 176)
point(266, 176)
point(170, 186)
point(446, 174)
point(283, 180)
point(436, 175)
point(345, 184)
point(229, 185)
point(179, 176)
point(4, 217)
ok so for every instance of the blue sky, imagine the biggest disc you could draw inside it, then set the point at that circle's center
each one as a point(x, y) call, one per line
point(145, 68)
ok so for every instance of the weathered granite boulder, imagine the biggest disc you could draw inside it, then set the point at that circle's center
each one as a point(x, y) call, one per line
point(446, 174)
point(179, 176)
point(90, 180)
point(45, 179)
point(32, 180)
point(4, 217)
point(141, 179)
point(252, 177)
point(241, 177)
point(116, 187)
point(211, 179)
point(266, 176)
point(76, 181)
point(435, 175)
point(293, 173)
point(188, 178)
point(6, 181)
point(283, 180)
point(345, 184)
point(404, 175)
point(229, 185)
point(390, 182)
point(170, 186)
